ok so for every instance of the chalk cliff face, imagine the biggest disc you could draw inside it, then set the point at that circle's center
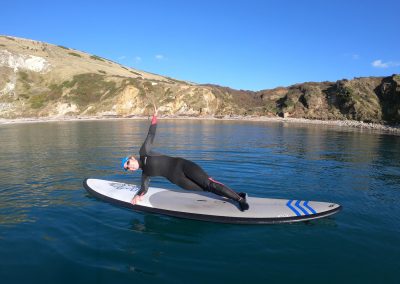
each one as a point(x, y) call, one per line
point(40, 79)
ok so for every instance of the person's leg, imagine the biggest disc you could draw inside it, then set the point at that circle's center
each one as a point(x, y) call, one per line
point(179, 178)
point(186, 183)
point(221, 189)
point(197, 175)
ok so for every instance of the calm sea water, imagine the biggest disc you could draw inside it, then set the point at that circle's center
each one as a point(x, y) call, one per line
point(52, 231)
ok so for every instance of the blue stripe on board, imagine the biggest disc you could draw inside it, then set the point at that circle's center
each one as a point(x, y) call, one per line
point(288, 204)
point(305, 204)
point(301, 208)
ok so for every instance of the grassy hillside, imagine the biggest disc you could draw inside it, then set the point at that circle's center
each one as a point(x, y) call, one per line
point(39, 79)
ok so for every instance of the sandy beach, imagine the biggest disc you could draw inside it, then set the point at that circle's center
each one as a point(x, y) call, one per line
point(346, 124)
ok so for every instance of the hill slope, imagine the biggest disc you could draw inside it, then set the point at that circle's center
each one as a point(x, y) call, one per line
point(40, 79)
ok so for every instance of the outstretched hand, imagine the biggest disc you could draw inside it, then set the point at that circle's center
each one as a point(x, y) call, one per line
point(137, 198)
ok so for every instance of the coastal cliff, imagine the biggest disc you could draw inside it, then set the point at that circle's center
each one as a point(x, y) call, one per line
point(38, 79)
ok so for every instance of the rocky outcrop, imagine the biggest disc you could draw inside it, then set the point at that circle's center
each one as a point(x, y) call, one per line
point(39, 80)
point(363, 99)
point(388, 93)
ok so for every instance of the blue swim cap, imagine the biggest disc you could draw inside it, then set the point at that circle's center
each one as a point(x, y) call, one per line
point(124, 160)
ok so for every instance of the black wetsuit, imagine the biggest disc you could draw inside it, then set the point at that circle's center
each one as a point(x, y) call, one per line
point(179, 171)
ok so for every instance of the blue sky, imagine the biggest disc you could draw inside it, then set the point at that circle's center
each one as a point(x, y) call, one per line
point(245, 44)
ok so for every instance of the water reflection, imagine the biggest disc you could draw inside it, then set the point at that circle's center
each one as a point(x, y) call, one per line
point(177, 230)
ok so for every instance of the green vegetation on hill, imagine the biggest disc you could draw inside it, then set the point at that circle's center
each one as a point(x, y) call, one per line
point(88, 88)
point(38, 101)
point(95, 57)
point(74, 54)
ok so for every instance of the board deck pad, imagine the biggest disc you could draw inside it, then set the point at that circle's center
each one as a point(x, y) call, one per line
point(209, 207)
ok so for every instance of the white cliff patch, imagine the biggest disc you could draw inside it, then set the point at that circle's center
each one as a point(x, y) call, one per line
point(9, 87)
point(5, 107)
point(22, 61)
point(64, 108)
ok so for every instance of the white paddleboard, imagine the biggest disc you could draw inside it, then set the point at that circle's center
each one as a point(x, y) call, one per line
point(206, 206)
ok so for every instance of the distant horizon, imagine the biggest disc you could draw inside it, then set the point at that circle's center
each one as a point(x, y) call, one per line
point(244, 45)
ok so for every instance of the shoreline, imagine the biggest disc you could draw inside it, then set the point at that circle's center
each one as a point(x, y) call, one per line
point(346, 124)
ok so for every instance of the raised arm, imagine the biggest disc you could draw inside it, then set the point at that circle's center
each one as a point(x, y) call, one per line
point(148, 143)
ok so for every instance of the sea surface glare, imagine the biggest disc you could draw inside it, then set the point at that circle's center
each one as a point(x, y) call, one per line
point(53, 231)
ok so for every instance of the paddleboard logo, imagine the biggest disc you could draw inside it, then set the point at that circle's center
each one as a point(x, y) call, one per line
point(124, 186)
point(300, 209)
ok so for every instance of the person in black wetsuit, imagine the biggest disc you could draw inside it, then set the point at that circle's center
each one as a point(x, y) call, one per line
point(179, 171)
